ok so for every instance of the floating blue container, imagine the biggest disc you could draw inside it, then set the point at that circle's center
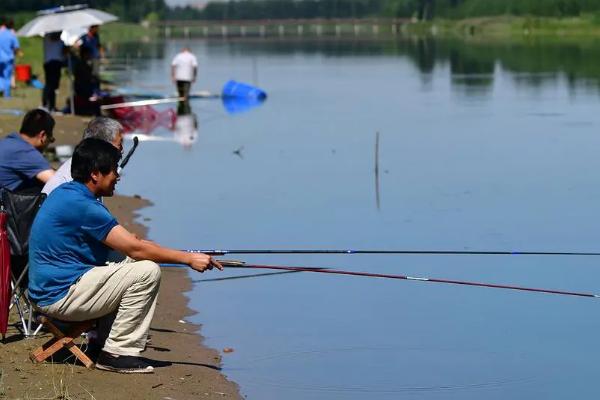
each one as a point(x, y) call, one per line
point(236, 105)
point(242, 90)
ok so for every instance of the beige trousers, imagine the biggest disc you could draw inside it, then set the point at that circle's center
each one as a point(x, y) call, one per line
point(123, 295)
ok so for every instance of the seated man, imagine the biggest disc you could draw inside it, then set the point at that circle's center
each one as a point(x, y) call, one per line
point(23, 168)
point(103, 128)
point(69, 278)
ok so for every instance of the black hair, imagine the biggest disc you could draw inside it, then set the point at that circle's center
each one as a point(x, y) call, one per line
point(93, 155)
point(36, 121)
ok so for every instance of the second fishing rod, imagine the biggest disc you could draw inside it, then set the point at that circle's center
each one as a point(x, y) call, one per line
point(217, 252)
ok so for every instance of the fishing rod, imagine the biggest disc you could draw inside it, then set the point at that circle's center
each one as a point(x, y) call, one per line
point(215, 252)
point(136, 141)
point(141, 103)
point(240, 264)
point(162, 100)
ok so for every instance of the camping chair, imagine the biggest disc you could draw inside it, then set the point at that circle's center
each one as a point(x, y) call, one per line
point(64, 338)
point(21, 209)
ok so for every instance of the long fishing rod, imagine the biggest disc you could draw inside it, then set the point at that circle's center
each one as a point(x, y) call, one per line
point(240, 264)
point(215, 252)
point(141, 103)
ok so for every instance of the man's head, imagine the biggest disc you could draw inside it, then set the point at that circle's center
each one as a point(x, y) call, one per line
point(93, 29)
point(37, 128)
point(95, 164)
point(106, 129)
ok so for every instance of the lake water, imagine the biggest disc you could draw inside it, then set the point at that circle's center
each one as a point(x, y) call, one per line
point(482, 146)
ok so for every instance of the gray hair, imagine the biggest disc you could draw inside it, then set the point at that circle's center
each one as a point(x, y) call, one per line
point(103, 128)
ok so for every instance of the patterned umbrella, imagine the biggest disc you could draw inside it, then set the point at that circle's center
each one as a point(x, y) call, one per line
point(5, 290)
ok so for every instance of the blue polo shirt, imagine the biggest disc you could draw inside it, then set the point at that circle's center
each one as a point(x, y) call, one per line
point(20, 162)
point(8, 44)
point(66, 241)
point(92, 43)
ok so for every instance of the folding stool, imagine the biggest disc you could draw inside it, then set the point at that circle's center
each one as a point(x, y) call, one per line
point(62, 340)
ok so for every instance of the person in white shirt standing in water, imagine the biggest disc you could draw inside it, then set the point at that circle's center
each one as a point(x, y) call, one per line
point(183, 71)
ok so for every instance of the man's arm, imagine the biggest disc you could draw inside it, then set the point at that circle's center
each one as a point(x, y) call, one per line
point(45, 175)
point(122, 240)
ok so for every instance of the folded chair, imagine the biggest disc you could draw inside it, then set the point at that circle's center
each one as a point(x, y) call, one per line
point(62, 339)
point(21, 209)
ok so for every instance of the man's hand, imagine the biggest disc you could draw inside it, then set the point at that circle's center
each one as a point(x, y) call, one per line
point(122, 240)
point(201, 262)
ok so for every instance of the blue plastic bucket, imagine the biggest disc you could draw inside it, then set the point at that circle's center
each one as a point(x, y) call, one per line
point(236, 105)
point(242, 90)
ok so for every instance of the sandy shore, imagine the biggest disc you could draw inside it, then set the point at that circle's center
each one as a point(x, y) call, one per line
point(184, 368)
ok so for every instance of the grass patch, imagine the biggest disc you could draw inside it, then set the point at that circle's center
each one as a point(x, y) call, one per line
point(126, 32)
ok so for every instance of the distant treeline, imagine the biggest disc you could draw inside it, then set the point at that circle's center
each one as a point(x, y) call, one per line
point(136, 10)
point(420, 9)
point(127, 10)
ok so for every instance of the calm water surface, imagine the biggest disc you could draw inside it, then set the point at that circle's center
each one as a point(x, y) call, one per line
point(490, 147)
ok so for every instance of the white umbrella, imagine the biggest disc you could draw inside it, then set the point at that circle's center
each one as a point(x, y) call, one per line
point(65, 18)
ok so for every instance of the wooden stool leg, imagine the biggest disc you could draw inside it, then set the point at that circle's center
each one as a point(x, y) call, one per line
point(62, 340)
point(81, 356)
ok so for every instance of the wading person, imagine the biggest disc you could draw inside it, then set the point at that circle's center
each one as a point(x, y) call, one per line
point(23, 168)
point(69, 277)
point(103, 128)
point(184, 68)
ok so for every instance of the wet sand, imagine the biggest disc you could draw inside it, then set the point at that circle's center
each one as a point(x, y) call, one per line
point(184, 368)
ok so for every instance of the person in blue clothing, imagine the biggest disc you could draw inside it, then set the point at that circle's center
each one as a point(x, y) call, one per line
point(91, 43)
point(70, 277)
point(9, 46)
point(23, 168)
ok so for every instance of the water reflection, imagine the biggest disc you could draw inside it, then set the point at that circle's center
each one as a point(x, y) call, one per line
point(472, 62)
point(144, 119)
point(186, 125)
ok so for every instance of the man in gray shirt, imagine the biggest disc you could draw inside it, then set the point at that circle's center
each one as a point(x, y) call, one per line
point(103, 128)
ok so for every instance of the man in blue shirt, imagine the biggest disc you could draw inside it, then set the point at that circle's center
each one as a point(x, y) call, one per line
point(69, 276)
point(89, 45)
point(9, 46)
point(23, 168)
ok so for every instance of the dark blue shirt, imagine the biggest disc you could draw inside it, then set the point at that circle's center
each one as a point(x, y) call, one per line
point(20, 162)
point(66, 241)
point(92, 43)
